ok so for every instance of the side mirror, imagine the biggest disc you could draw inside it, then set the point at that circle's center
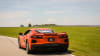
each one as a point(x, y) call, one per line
point(20, 34)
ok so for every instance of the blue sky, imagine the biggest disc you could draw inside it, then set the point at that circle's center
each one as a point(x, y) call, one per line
point(61, 12)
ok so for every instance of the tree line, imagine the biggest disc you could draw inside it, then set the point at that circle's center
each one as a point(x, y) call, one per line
point(42, 25)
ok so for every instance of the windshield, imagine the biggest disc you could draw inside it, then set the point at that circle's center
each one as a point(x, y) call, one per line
point(44, 31)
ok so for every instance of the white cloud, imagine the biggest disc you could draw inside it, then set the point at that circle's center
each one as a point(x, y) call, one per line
point(51, 21)
point(73, 1)
point(53, 12)
point(87, 20)
point(13, 15)
point(13, 18)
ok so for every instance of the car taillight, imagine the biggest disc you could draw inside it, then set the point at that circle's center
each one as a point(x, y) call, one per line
point(36, 37)
point(65, 36)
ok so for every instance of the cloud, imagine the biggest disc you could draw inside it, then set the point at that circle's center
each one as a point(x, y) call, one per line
point(53, 12)
point(51, 21)
point(87, 20)
point(49, 11)
point(73, 1)
point(13, 18)
point(13, 15)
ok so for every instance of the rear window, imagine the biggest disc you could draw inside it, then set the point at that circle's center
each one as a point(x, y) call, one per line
point(44, 31)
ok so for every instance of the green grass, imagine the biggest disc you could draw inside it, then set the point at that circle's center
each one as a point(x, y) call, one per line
point(84, 41)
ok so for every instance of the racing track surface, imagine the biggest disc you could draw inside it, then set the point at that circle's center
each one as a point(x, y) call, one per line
point(9, 47)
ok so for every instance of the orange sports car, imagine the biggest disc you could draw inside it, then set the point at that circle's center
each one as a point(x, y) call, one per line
point(43, 39)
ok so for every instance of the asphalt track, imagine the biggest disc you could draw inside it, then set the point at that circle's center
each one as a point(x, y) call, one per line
point(9, 47)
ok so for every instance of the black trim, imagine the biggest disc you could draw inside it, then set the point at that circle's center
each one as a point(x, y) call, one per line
point(49, 46)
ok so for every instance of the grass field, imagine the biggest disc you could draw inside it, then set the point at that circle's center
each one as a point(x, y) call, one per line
point(84, 41)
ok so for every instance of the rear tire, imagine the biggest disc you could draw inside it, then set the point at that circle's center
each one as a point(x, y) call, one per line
point(27, 48)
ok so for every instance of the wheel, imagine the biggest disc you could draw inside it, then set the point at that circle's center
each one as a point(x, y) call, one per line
point(19, 44)
point(27, 48)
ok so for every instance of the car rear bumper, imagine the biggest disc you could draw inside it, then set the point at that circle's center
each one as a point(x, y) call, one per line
point(49, 46)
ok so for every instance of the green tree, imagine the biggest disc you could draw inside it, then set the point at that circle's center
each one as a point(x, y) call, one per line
point(21, 25)
point(29, 25)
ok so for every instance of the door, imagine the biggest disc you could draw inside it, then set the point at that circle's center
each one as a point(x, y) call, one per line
point(24, 38)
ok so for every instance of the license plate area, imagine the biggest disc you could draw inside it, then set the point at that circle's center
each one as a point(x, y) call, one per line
point(51, 39)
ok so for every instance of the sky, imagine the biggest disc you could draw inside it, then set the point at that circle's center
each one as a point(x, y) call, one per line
point(61, 12)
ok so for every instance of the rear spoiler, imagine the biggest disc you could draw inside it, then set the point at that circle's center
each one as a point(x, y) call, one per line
point(46, 34)
point(50, 34)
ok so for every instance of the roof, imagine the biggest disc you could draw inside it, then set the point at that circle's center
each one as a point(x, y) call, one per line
point(39, 29)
